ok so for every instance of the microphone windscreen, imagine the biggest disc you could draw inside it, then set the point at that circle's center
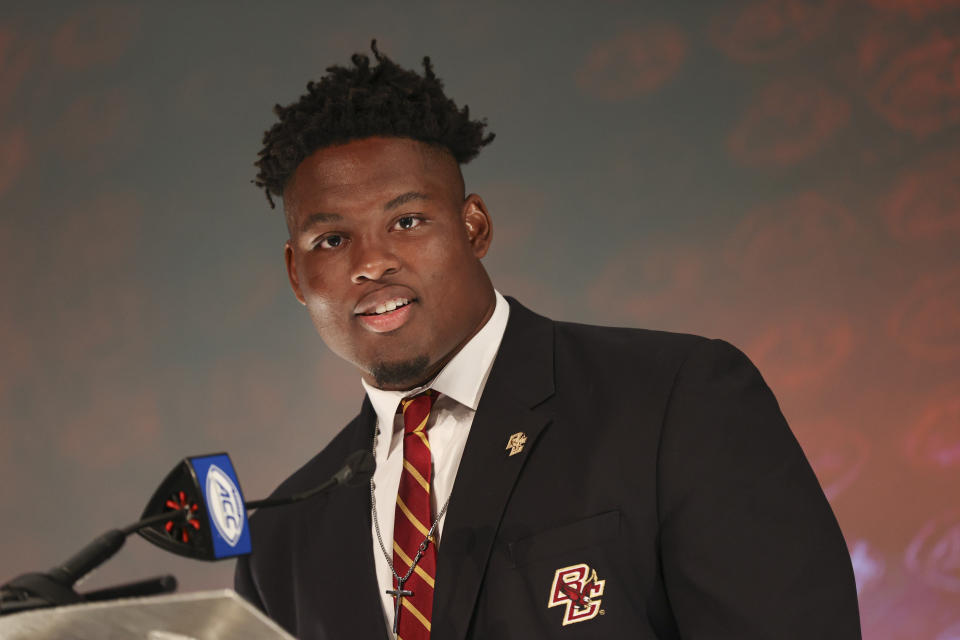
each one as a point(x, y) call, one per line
point(359, 466)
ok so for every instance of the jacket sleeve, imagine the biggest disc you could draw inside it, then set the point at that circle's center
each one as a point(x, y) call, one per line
point(749, 545)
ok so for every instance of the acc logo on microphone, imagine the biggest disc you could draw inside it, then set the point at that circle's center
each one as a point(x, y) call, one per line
point(225, 505)
point(578, 588)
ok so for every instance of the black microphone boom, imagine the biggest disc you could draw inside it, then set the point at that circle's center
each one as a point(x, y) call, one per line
point(357, 470)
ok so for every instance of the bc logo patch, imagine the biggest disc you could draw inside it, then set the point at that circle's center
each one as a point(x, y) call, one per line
point(578, 588)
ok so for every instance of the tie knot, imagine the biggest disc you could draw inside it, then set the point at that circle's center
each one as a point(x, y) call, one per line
point(416, 410)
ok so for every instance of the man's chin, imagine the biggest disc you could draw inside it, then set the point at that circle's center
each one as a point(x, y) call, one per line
point(404, 374)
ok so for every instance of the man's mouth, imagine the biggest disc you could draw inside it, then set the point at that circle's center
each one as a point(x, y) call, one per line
point(388, 315)
point(388, 306)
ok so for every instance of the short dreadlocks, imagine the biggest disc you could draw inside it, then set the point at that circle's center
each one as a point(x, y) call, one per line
point(360, 102)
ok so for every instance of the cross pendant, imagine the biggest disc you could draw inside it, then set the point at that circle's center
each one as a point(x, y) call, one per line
point(398, 594)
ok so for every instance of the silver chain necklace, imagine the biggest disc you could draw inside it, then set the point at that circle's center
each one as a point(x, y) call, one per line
point(400, 592)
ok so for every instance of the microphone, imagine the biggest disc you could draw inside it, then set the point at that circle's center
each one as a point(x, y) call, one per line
point(55, 587)
point(357, 470)
point(206, 489)
point(197, 511)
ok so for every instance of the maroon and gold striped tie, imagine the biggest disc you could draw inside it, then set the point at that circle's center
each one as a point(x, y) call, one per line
point(413, 519)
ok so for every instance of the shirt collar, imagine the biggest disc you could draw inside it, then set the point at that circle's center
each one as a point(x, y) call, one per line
point(463, 378)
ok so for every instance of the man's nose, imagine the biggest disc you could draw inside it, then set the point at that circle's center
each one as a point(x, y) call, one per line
point(374, 259)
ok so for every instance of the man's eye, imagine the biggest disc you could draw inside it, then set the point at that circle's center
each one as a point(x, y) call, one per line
point(330, 242)
point(409, 222)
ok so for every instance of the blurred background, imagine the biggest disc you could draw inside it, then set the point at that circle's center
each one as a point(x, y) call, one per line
point(784, 174)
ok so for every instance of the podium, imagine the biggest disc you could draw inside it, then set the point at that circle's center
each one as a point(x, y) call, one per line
point(204, 615)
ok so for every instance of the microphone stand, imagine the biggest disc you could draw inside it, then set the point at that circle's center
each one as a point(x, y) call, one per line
point(55, 587)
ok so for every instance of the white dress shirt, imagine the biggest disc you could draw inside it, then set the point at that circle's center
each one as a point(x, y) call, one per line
point(460, 384)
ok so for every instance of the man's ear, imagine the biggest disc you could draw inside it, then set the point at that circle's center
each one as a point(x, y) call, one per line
point(476, 220)
point(292, 272)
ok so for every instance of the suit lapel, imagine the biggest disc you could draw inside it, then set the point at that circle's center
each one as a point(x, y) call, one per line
point(512, 402)
point(345, 575)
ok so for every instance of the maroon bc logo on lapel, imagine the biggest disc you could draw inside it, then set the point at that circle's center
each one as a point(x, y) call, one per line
point(578, 588)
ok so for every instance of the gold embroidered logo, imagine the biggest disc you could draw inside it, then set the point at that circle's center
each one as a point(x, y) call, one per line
point(578, 588)
point(516, 442)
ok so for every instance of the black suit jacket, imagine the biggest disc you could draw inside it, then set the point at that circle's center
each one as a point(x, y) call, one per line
point(660, 461)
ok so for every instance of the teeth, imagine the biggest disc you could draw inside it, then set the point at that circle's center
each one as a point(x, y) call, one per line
point(391, 305)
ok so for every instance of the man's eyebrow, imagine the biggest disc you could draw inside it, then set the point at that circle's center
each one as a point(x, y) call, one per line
point(404, 198)
point(316, 218)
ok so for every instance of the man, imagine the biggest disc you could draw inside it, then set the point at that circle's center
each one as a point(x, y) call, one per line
point(535, 479)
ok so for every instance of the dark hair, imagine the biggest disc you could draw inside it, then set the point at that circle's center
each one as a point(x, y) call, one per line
point(350, 103)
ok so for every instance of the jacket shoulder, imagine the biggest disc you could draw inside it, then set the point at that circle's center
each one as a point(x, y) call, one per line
point(635, 349)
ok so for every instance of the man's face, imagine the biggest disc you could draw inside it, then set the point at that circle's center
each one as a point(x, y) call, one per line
point(381, 223)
